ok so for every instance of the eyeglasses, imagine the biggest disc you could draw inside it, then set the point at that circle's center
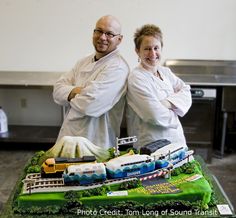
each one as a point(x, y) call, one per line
point(109, 35)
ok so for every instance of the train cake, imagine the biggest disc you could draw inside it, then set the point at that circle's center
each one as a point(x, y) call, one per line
point(168, 174)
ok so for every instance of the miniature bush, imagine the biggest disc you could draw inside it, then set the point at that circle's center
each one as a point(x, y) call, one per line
point(72, 195)
point(130, 184)
point(187, 168)
point(33, 169)
point(71, 206)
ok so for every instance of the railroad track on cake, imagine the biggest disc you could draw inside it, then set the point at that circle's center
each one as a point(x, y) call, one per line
point(33, 183)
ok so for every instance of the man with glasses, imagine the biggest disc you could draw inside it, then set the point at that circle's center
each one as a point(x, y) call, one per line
point(94, 90)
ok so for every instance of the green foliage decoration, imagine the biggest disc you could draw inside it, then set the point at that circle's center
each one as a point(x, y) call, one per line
point(187, 168)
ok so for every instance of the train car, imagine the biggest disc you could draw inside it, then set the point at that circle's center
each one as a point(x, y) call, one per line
point(54, 167)
point(125, 166)
point(170, 153)
point(84, 174)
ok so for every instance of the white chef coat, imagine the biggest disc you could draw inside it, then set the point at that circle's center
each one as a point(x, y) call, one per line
point(96, 113)
point(147, 117)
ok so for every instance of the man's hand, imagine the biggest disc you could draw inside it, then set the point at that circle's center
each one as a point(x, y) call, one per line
point(74, 92)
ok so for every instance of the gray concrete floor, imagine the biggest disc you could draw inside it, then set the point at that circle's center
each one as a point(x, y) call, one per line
point(12, 162)
point(11, 165)
point(225, 171)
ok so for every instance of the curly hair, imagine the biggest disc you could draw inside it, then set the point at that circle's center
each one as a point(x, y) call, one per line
point(147, 30)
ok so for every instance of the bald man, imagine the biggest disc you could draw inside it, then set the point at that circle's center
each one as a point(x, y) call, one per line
point(94, 90)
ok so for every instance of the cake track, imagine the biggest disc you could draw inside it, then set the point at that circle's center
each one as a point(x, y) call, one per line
point(33, 183)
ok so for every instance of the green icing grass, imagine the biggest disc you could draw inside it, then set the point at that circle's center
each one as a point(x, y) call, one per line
point(41, 199)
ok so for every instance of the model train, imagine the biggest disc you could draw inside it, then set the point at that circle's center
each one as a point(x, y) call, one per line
point(120, 167)
point(84, 171)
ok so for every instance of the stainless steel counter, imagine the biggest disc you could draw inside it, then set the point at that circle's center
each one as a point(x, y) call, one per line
point(208, 79)
point(204, 72)
point(193, 77)
point(28, 78)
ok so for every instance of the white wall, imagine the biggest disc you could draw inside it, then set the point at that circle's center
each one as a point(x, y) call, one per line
point(51, 35)
point(30, 106)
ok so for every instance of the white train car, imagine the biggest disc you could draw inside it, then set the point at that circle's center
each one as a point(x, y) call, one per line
point(169, 153)
point(84, 174)
point(130, 165)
